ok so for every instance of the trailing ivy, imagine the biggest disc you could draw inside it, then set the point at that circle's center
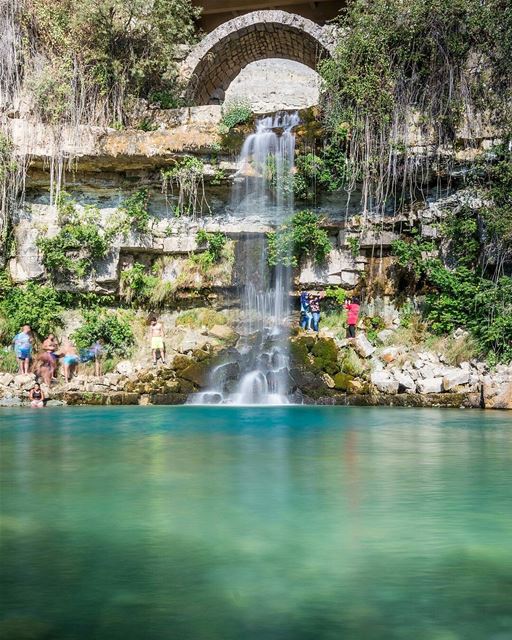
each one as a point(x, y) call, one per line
point(404, 69)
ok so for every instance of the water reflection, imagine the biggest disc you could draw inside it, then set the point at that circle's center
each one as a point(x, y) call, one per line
point(285, 523)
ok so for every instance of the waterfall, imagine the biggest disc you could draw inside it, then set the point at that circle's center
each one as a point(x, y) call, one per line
point(263, 188)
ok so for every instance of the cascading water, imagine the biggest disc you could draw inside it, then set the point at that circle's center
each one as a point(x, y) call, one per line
point(263, 188)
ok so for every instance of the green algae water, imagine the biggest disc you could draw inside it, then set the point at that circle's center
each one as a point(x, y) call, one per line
point(284, 523)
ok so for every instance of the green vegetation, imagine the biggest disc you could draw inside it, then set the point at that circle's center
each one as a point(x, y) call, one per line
point(402, 67)
point(185, 180)
point(233, 114)
point(475, 293)
point(33, 304)
point(79, 242)
point(135, 210)
point(214, 243)
point(326, 171)
point(297, 238)
point(113, 327)
point(200, 317)
point(103, 54)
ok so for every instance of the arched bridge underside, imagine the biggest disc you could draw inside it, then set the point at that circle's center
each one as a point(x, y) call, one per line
point(216, 61)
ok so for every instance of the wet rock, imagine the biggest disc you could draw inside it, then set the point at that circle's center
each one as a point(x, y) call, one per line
point(54, 403)
point(167, 398)
point(185, 385)
point(383, 381)
point(225, 372)
point(430, 385)
point(325, 354)
point(197, 372)
point(363, 346)
point(225, 333)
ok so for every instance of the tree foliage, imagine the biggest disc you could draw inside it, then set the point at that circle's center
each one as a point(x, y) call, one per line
point(299, 237)
point(402, 69)
point(90, 59)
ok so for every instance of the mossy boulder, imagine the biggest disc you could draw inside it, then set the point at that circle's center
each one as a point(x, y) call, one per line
point(181, 362)
point(342, 382)
point(351, 363)
point(299, 353)
point(185, 385)
point(199, 355)
point(325, 356)
point(197, 373)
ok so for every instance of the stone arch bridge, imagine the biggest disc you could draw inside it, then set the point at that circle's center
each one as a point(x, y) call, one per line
point(215, 62)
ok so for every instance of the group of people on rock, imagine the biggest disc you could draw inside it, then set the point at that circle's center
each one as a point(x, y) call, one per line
point(310, 312)
point(46, 361)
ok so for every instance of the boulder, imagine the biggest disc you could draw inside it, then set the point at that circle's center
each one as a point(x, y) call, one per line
point(384, 382)
point(405, 382)
point(225, 333)
point(497, 396)
point(363, 346)
point(6, 379)
point(430, 385)
point(327, 380)
point(23, 379)
point(385, 334)
point(390, 354)
point(13, 401)
point(455, 378)
point(125, 367)
point(197, 373)
point(342, 381)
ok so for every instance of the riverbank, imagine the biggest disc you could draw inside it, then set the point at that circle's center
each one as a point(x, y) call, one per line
point(324, 370)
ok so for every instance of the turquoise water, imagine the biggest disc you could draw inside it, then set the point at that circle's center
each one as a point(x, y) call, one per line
point(301, 523)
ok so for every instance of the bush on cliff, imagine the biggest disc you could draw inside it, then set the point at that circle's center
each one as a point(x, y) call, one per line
point(113, 327)
point(33, 304)
point(299, 237)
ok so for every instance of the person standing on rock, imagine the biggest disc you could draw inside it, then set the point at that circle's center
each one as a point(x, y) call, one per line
point(51, 346)
point(23, 347)
point(314, 307)
point(352, 306)
point(156, 333)
point(305, 312)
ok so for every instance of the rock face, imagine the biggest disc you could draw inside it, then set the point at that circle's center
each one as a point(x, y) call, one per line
point(384, 382)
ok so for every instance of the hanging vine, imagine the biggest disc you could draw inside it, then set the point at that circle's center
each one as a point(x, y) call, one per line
point(185, 183)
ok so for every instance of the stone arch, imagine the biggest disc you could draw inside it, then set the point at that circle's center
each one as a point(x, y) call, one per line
point(215, 62)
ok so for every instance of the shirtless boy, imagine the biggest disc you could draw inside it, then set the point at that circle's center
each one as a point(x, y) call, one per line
point(156, 333)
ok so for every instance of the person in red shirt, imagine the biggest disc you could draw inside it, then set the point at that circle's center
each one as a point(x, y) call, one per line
point(352, 306)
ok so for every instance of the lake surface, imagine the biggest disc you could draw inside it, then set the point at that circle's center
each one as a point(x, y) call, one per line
point(229, 523)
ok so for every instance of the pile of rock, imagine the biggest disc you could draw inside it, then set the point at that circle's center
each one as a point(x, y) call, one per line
point(194, 353)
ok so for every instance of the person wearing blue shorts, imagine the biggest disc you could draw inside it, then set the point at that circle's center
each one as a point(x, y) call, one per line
point(23, 347)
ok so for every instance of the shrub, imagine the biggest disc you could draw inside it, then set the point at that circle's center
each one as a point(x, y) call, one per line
point(114, 328)
point(233, 114)
point(215, 243)
point(8, 361)
point(79, 243)
point(186, 178)
point(135, 210)
point(299, 237)
point(32, 304)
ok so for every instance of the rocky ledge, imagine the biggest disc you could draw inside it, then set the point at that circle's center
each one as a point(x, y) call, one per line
point(324, 370)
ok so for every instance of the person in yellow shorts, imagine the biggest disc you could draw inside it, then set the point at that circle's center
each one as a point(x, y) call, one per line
point(156, 332)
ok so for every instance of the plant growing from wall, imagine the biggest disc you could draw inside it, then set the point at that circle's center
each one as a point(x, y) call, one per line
point(300, 237)
point(185, 181)
point(79, 243)
point(214, 244)
point(233, 114)
point(135, 211)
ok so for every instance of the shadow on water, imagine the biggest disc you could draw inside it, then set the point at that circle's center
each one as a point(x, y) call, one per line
point(280, 524)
